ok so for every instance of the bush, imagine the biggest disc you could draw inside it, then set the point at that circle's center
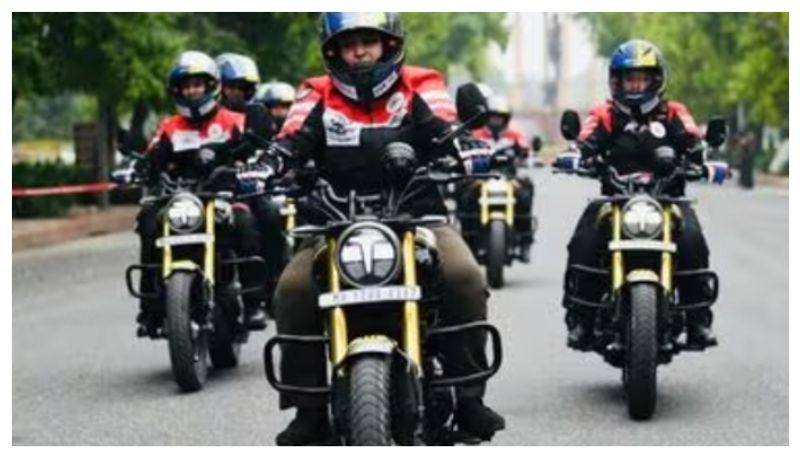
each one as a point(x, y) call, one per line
point(762, 161)
point(45, 174)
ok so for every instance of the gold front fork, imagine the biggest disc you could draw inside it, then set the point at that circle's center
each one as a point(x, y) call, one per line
point(411, 338)
point(338, 323)
point(666, 257)
point(167, 250)
point(209, 254)
point(483, 201)
point(617, 272)
point(291, 211)
point(510, 204)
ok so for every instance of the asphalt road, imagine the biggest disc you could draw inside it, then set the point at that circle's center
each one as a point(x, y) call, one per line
point(80, 377)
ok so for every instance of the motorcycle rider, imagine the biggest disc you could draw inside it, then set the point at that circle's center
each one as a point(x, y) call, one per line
point(277, 97)
point(342, 121)
point(240, 86)
point(618, 132)
point(239, 75)
point(508, 144)
point(193, 85)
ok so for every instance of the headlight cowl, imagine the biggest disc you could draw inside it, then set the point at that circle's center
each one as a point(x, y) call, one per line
point(642, 217)
point(185, 213)
point(368, 254)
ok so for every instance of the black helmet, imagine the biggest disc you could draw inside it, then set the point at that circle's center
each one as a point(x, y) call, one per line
point(363, 83)
point(637, 55)
point(189, 64)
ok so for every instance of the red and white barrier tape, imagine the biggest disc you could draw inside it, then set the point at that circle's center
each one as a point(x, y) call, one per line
point(63, 190)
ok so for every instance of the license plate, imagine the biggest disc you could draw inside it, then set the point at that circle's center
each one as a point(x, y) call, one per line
point(641, 245)
point(370, 295)
point(178, 240)
point(491, 201)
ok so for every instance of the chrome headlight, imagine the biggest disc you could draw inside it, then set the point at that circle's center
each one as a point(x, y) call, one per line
point(642, 217)
point(497, 186)
point(185, 213)
point(368, 254)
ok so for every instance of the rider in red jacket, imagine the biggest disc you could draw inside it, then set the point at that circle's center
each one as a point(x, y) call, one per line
point(508, 146)
point(639, 118)
point(342, 121)
point(181, 146)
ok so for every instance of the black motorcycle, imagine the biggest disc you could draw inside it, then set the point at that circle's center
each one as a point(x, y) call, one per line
point(640, 318)
point(378, 286)
point(492, 238)
point(198, 283)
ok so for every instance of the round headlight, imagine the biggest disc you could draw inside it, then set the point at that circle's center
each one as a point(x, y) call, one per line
point(497, 186)
point(368, 254)
point(185, 213)
point(642, 218)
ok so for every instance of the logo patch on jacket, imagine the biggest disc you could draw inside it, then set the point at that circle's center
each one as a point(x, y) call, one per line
point(396, 103)
point(340, 131)
point(658, 130)
point(186, 140)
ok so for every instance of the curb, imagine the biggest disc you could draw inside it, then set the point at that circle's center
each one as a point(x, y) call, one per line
point(32, 233)
point(773, 181)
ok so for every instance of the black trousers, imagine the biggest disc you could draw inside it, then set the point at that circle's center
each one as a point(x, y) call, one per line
point(273, 247)
point(589, 244)
point(297, 313)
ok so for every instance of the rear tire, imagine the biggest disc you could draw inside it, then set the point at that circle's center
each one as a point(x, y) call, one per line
point(496, 254)
point(642, 351)
point(188, 346)
point(370, 409)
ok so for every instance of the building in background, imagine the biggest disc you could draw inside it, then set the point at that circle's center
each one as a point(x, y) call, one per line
point(550, 64)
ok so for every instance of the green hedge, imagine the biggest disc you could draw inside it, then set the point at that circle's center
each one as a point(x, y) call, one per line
point(45, 174)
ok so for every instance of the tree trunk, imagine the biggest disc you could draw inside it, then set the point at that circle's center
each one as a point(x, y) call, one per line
point(104, 156)
point(137, 139)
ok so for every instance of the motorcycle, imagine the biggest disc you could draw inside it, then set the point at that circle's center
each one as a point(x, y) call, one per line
point(198, 283)
point(377, 277)
point(640, 319)
point(496, 244)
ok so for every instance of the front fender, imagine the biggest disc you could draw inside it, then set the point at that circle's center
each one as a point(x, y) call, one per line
point(183, 265)
point(641, 275)
point(371, 344)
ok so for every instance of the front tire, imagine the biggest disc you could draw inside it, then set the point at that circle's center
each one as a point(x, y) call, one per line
point(496, 254)
point(188, 345)
point(369, 416)
point(642, 351)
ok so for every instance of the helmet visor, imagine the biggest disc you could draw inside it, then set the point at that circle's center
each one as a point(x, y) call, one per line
point(335, 23)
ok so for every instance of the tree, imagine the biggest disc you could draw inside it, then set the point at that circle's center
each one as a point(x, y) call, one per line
point(116, 57)
point(122, 59)
point(440, 39)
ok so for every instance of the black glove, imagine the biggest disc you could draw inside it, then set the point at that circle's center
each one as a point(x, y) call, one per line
point(475, 154)
point(253, 177)
point(399, 162)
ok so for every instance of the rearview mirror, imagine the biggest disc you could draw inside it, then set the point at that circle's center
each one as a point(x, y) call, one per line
point(716, 131)
point(536, 143)
point(570, 125)
point(472, 105)
point(124, 141)
point(258, 122)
